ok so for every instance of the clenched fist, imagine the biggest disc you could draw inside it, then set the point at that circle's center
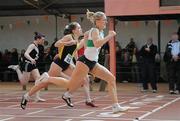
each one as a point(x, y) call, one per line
point(112, 33)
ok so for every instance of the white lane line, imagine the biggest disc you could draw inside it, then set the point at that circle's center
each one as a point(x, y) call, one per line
point(35, 112)
point(125, 101)
point(6, 119)
point(78, 117)
point(11, 93)
point(87, 113)
point(4, 99)
point(59, 106)
point(68, 120)
point(137, 98)
point(159, 120)
point(111, 105)
point(7, 115)
point(12, 106)
point(159, 108)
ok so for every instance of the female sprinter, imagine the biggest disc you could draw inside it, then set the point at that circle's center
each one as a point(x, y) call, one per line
point(29, 66)
point(88, 62)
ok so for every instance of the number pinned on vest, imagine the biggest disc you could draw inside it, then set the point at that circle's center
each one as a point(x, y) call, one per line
point(68, 59)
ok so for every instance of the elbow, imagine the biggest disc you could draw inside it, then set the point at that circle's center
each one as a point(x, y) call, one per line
point(25, 54)
point(55, 45)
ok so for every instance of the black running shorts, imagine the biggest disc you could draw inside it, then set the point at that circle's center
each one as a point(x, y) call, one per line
point(87, 62)
point(61, 63)
point(28, 67)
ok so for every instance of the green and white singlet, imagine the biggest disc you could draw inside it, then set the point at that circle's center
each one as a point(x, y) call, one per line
point(91, 52)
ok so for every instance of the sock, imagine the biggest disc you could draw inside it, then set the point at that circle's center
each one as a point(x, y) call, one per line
point(88, 100)
point(27, 97)
point(115, 105)
point(37, 94)
point(87, 93)
point(67, 94)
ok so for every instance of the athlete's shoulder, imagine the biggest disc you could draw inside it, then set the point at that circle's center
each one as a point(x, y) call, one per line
point(94, 29)
point(68, 36)
point(32, 45)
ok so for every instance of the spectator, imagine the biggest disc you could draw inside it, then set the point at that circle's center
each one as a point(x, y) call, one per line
point(125, 65)
point(103, 52)
point(53, 49)
point(6, 58)
point(14, 57)
point(14, 61)
point(132, 49)
point(148, 52)
point(172, 59)
point(21, 58)
point(40, 61)
point(1, 70)
point(47, 58)
point(134, 66)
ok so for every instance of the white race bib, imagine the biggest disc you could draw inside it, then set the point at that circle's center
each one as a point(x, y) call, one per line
point(68, 59)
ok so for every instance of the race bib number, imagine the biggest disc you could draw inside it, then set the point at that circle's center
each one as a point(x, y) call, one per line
point(68, 59)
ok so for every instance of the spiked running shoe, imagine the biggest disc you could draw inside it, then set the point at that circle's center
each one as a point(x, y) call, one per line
point(118, 109)
point(68, 101)
point(91, 104)
point(23, 102)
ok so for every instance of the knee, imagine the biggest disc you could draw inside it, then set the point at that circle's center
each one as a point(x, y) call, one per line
point(112, 80)
point(24, 82)
point(86, 79)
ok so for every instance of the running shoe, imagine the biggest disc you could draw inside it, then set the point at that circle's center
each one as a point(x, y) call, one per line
point(117, 109)
point(23, 102)
point(68, 101)
point(38, 99)
point(14, 67)
point(91, 104)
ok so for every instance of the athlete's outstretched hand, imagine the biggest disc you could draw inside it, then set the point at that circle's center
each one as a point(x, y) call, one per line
point(112, 33)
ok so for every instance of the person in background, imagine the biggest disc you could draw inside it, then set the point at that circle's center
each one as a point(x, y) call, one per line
point(14, 61)
point(132, 68)
point(172, 60)
point(118, 62)
point(1, 72)
point(148, 52)
point(53, 49)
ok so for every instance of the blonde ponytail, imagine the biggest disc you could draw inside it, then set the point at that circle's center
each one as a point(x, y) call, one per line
point(90, 15)
point(94, 16)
